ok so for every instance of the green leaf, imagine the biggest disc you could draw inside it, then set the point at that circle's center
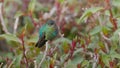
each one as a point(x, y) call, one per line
point(5, 55)
point(40, 7)
point(39, 58)
point(59, 40)
point(107, 13)
point(61, 1)
point(10, 37)
point(17, 60)
point(65, 46)
point(105, 29)
point(95, 30)
point(33, 39)
point(116, 3)
point(115, 36)
point(31, 6)
point(114, 55)
point(77, 59)
point(78, 51)
point(88, 13)
point(45, 62)
point(106, 59)
point(18, 14)
point(71, 65)
point(85, 63)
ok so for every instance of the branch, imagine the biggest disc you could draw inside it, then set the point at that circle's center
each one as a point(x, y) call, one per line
point(16, 24)
point(45, 53)
point(2, 21)
point(24, 54)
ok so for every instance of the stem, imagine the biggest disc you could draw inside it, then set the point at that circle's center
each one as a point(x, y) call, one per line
point(45, 53)
point(24, 54)
point(2, 20)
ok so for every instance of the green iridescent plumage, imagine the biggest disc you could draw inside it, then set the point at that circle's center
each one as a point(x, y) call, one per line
point(48, 31)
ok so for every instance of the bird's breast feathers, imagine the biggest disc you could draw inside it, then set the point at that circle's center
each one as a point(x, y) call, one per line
point(49, 31)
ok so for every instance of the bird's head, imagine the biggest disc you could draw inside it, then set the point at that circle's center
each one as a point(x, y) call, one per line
point(50, 23)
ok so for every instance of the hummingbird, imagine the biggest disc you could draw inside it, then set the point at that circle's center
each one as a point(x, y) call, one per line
point(47, 31)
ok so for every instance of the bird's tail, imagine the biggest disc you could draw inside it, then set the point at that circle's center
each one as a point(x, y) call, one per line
point(40, 43)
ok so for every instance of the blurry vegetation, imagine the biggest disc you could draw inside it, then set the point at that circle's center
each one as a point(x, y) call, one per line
point(90, 33)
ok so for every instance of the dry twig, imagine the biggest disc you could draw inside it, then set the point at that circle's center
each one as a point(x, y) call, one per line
point(16, 24)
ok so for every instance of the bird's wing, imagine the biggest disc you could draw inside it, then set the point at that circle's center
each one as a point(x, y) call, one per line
point(41, 41)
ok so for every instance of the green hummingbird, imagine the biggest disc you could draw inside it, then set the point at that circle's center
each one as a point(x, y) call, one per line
point(48, 31)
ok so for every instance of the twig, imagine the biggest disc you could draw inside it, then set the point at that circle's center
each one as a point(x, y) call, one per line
point(24, 54)
point(54, 49)
point(16, 24)
point(45, 53)
point(2, 21)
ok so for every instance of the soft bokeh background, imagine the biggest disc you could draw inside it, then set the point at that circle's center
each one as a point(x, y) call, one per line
point(89, 33)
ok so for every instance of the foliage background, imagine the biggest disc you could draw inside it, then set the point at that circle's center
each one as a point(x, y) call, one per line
point(90, 33)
